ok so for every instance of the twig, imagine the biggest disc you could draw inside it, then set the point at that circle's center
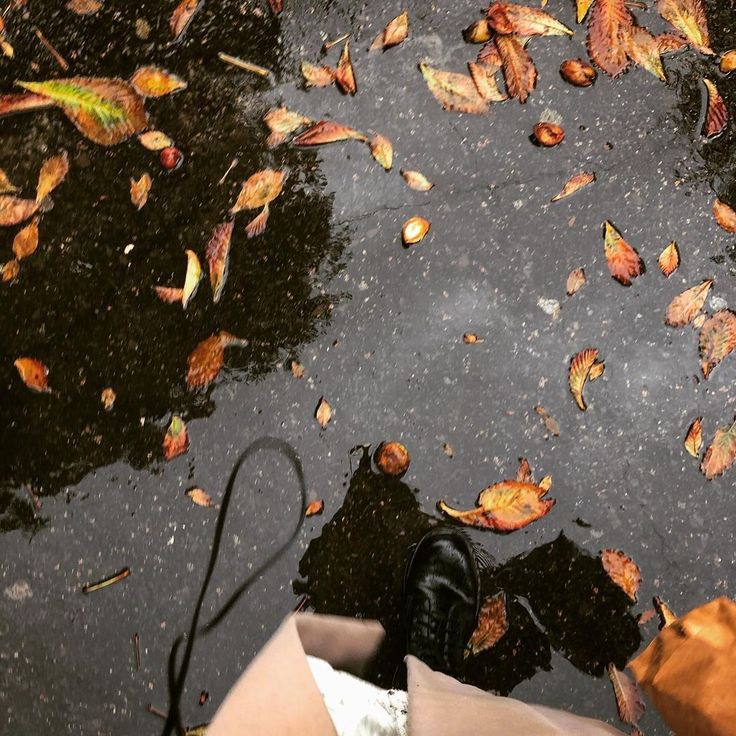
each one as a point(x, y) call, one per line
point(137, 650)
point(60, 60)
point(155, 711)
point(116, 578)
point(244, 65)
point(303, 603)
point(233, 164)
point(327, 45)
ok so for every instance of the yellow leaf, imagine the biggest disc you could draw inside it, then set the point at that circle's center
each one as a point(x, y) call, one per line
point(580, 366)
point(669, 259)
point(191, 281)
point(323, 413)
point(694, 437)
point(574, 184)
point(382, 151)
point(454, 91)
point(152, 81)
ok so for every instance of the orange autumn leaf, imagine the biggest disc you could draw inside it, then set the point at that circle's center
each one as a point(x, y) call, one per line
point(524, 471)
point(694, 437)
point(684, 307)
point(205, 361)
point(107, 397)
point(84, 7)
point(259, 190)
point(53, 171)
point(34, 374)
point(200, 497)
point(574, 184)
point(323, 413)
point(725, 216)
point(490, 57)
point(492, 625)
point(416, 180)
point(14, 210)
point(315, 508)
point(484, 79)
point(345, 74)
point(721, 454)
point(176, 439)
point(10, 270)
point(575, 280)
point(382, 151)
point(317, 76)
point(139, 191)
point(454, 91)
point(506, 18)
point(152, 81)
point(623, 261)
point(727, 63)
point(688, 17)
point(580, 367)
point(622, 570)
point(155, 140)
point(628, 696)
point(716, 114)
point(6, 186)
point(668, 43)
point(169, 294)
point(519, 71)
point(217, 254)
point(396, 32)
point(25, 242)
point(643, 49)
point(583, 6)
point(327, 131)
point(609, 25)
point(182, 16)
point(717, 339)
point(281, 123)
point(669, 259)
point(596, 371)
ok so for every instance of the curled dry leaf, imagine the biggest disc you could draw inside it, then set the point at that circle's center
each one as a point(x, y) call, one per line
point(176, 439)
point(382, 151)
point(684, 307)
point(84, 7)
point(152, 81)
point(548, 134)
point(524, 471)
point(217, 254)
point(323, 413)
point(155, 140)
point(282, 122)
point(518, 68)
point(728, 62)
point(623, 261)
point(552, 425)
point(315, 508)
point(628, 696)
point(470, 338)
point(191, 281)
point(608, 28)
point(14, 210)
point(327, 131)
point(643, 49)
point(182, 16)
point(491, 627)
point(297, 369)
point(717, 339)
point(688, 17)
point(205, 361)
point(578, 73)
point(416, 180)
point(484, 79)
point(574, 184)
point(34, 374)
point(490, 56)
point(721, 454)
point(396, 32)
point(345, 74)
point(10, 270)
point(716, 113)
point(25, 242)
point(575, 280)
point(414, 230)
point(725, 216)
point(53, 171)
point(257, 191)
point(169, 294)
point(139, 191)
point(622, 570)
point(454, 91)
point(666, 615)
point(694, 437)
point(580, 367)
point(317, 76)
point(200, 497)
point(107, 397)
point(583, 6)
point(6, 186)
point(596, 371)
point(522, 20)
point(669, 259)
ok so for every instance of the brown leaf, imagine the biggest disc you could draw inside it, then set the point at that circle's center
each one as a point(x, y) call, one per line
point(643, 48)
point(574, 184)
point(107, 397)
point(152, 81)
point(323, 413)
point(259, 190)
point(717, 339)
point(382, 151)
point(628, 696)
point(25, 242)
point(53, 171)
point(694, 437)
point(84, 7)
point(518, 68)
point(491, 627)
point(205, 361)
point(169, 294)
point(689, 17)
point(6, 186)
point(578, 373)
point(314, 508)
point(622, 570)
point(716, 115)
point(454, 91)
point(490, 57)
point(182, 16)
point(176, 439)
point(417, 180)
point(575, 280)
point(414, 230)
point(484, 78)
point(728, 62)
point(327, 131)
point(522, 20)
point(524, 471)
point(34, 374)
point(550, 422)
point(14, 210)
point(282, 122)
point(217, 254)
point(297, 369)
point(317, 76)
point(725, 216)
point(684, 307)
point(393, 34)
point(668, 43)
point(609, 25)
point(345, 74)
point(645, 616)
point(200, 497)
point(139, 191)
point(155, 140)
point(578, 73)
point(471, 338)
point(10, 270)
point(669, 259)
point(596, 371)
point(721, 454)
point(623, 261)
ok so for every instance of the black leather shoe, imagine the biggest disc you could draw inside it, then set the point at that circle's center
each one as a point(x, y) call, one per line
point(441, 599)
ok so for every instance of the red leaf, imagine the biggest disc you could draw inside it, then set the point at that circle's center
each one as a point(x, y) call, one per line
point(217, 254)
point(518, 68)
point(610, 23)
point(716, 115)
point(176, 440)
point(623, 261)
point(628, 697)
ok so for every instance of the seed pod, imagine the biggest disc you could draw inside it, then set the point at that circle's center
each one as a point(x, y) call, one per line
point(548, 134)
point(392, 459)
point(171, 158)
point(578, 73)
point(478, 32)
point(414, 229)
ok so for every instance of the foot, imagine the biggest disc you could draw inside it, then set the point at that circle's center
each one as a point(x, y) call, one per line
point(441, 599)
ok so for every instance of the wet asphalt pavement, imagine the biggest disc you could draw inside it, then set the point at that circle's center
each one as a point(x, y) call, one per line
point(378, 329)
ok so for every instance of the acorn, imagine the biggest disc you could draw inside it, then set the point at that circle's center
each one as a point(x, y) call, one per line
point(171, 158)
point(392, 459)
point(478, 32)
point(414, 229)
point(578, 73)
point(548, 134)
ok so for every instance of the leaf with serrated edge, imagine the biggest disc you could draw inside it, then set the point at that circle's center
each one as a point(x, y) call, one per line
point(393, 34)
point(259, 189)
point(609, 24)
point(694, 437)
point(327, 131)
point(574, 184)
point(725, 216)
point(454, 91)
point(416, 180)
point(669, 259)
point(345, 74)
point(191, 281)
point(205, 361)
point(382, 151)
point(716, 114)
point(484, 78)
point(643, 49)
point(14, 210)
point(717, 339)
point(52, 173)
point(580, 366)
point(575, 280)
point(217, 254)
point(684, 307)
point(34, 374)
point(622, 570)
point(524, 471)
point(491, 626)
point(524, 21)
point(689, 17)
point(623, 261)
point(152, 81)
point(182, 16)
point(721, 454)
point(317, 76)
point(628, 696)
point(25, 242)
point(518, 68)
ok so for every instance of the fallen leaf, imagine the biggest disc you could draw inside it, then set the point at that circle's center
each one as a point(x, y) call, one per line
point(684, 307)
point(152, 81)
point(34, 374)
point(490, 56)
point(575, 280)
point(182, 16)
point(725, 216)
point(454, 91)
point(176, 439)
point(491, 626)
point(470, 338)
point(596, 371)
point(10, 270)
point(583, 6)
point(25, 242)
point(716, 115)
point(728, 62)
point(200, 497)
point(689, 17)
point(14, 210)
point(643, 49)
point(414, 230)
point(478, 32)
point(139, 191)
point(282, 122)
point(623, 261)
point(622, 570)
point(84, 7)
point(327, 131)
point(393, 34)
point(416, 180)
point(609, 25)
point(345, 74)
point(666, 614)
point(669, 259)
point(668, 43)
point(297, 369)
point(107, 111)
point(323, 413)
point(191, 281)
point(717, 339)
point(155, 140)
point(721, 454)
point(580, 367)
point(317, 76)
point(257, 191)
point(448, 450)
point(694, 437)
point(518, 68)
point(578, 73)
point(314, 508)
point(382, 151)
point(550, 422)
point(205, 361)
point(6, 186)
point(628, 696)
point(509, 18)
point(524, 471)
point(217, 254)
point(484, 79)
point(169, 294)
point(574, 184)
point(108, 397)
point(52, 173)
